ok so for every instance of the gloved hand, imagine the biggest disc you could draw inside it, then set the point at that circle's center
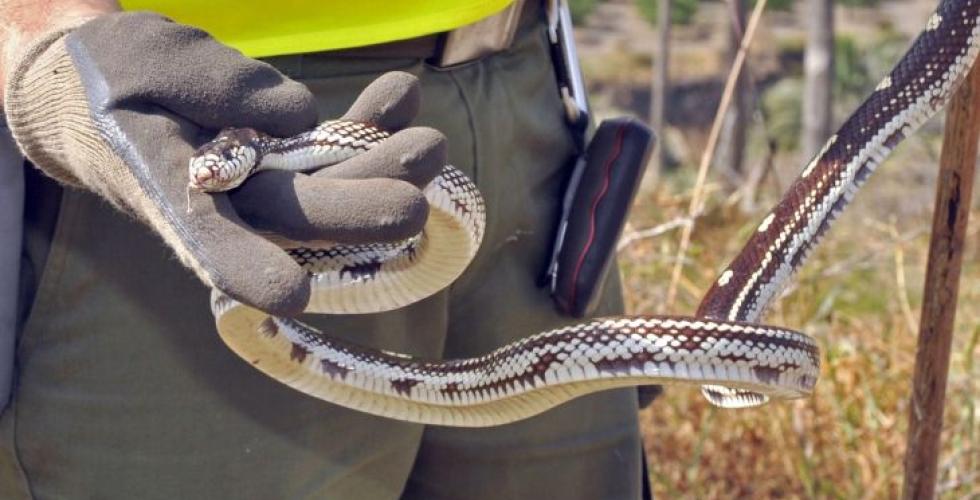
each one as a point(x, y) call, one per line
point(119, 104)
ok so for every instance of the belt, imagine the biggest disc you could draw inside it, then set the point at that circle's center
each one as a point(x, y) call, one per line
point(460, 46)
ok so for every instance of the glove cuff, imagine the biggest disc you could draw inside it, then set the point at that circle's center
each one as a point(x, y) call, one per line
point(50, 118)
point(47, 111)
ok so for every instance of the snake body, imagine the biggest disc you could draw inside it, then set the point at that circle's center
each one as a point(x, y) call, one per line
point(737, 361)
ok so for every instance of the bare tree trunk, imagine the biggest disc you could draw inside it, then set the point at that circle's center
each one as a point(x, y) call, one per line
point(818, 64)
point(658, 103)
point(732, 154)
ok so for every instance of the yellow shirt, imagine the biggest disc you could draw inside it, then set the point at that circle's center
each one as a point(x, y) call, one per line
point(294, 26)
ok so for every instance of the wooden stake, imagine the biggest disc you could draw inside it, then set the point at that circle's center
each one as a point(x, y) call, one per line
point(953, 193)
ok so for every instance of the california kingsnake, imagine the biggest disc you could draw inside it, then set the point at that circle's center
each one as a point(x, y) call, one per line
point(737, 361)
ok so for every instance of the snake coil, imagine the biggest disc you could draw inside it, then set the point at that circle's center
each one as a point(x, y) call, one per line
point(737, 361)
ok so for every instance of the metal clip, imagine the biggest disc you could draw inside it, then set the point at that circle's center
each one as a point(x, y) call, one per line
point(571, 88)
point(551, 274)
point(570, 84)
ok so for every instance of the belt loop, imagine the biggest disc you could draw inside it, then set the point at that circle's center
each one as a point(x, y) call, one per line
point(483, 38)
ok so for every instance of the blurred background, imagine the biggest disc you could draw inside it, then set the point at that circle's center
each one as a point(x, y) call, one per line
point(811, 62)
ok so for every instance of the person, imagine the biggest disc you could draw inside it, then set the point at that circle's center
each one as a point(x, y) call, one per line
point(122, 389)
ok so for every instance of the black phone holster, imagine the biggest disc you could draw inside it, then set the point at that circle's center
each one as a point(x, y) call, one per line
point(602, 183)
point(597, 201)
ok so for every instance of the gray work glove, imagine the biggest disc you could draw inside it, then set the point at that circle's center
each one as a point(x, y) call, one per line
point(119, 104)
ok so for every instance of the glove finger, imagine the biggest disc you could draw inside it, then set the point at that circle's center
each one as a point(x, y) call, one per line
point(390, 102)
point(186, 71)
point(259, 97)
point(415, 155)
point(304, 208)
point(242, 264)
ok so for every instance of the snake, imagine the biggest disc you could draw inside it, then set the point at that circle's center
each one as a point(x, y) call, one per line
point(724, 348)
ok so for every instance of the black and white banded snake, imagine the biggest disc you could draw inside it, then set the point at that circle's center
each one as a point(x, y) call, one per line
point(737, 361)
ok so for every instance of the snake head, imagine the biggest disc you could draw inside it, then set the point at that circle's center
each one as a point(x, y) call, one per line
point(226, 161)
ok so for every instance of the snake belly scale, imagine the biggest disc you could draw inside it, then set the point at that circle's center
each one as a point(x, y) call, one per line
point(737, 361)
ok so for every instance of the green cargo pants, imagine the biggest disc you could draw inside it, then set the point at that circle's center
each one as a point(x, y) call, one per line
point(124, 390)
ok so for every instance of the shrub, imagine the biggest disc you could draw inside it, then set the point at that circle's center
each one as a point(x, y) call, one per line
point(782, 103)
point(681, 12)
point(581, 9)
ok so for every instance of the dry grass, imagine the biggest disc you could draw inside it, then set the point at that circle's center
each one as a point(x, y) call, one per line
point(859, 297)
